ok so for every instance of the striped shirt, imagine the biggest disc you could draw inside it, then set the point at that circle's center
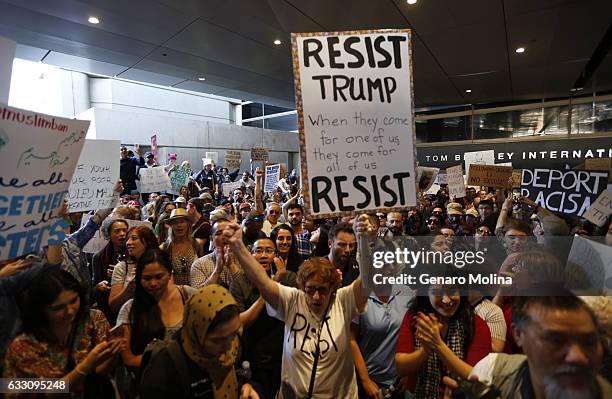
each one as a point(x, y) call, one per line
point(494, 317)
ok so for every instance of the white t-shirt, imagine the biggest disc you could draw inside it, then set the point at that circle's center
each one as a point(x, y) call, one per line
point(335, 376)
point(123, 273)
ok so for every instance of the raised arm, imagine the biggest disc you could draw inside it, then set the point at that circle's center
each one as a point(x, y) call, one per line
point(258, 276)
point(288, 202)
point(259, 205)
point(366, 235)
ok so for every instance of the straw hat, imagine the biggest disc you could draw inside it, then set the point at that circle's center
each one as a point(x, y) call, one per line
point(178, 213)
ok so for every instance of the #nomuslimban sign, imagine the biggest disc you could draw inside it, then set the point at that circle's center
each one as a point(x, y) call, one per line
point(355, 115)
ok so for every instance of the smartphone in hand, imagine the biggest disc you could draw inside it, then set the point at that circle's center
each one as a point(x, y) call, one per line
point(116, 332)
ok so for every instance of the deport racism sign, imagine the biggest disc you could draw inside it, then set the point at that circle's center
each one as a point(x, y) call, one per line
point(355, 115)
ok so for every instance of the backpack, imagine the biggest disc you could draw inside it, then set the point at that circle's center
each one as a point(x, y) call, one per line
point(178, 359)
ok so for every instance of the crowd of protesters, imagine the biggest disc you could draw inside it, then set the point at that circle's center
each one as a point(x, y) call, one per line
point(241, 294)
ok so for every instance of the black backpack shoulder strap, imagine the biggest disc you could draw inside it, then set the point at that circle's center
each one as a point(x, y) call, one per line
point(178, 358)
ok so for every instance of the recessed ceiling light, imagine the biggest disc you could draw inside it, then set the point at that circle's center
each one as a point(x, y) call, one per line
point(520, 50)
point(277, 42)
point(93, 20)
point(201, 78)
point(412, 1)
point(468, 91)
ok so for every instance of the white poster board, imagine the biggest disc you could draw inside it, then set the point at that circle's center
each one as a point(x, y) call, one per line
point(98, 242)
point(154, 180)
point(7, 54)
point(355, 116)
point(478, 157)
point(442, 178)
point(591, 260)
point(228, 188)
point(272, 177)
point(95, 176)
point(214, 156)
point(600, 210)
point(456, 186)
point(38, 154)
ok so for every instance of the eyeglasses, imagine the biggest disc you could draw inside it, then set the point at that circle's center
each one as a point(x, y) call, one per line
point(433, 221)
point(274, 212)
point(310, 290)
point(484, 232)
point(260, 251)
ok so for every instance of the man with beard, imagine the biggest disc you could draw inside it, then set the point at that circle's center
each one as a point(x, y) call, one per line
point(295, 217)
point(563, 349)
point(394, 227)
point(343, 247)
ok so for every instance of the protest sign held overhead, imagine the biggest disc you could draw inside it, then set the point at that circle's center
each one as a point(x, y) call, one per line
point(38, 155)
point(478, 158)
point(516, 178)
point(355, 116)
point(214, 156)
point(179, 177)
point(154, 179)
point(490, 175)
point(601, 209)
point(456, 186)
point(566, 191)
point(228, 188)
point(259, 154)
point(233, 159)
point(272, 177)
point(95, 176)
point(426, 177)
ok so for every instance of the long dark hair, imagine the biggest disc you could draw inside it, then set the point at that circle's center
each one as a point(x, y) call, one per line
point(294, 260)
point(464, 313)
point(145, 315)
point(146, 235)
point(42, 292)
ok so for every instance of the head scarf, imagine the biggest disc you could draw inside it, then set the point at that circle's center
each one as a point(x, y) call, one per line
point(200, 311)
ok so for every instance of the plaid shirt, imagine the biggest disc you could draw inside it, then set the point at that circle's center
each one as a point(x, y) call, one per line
point(303, 244)
point(202, 268)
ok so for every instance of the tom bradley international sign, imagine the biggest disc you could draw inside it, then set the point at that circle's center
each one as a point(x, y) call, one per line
point(525, 154)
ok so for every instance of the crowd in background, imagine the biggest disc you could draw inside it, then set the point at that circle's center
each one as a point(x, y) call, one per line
point(176, 305)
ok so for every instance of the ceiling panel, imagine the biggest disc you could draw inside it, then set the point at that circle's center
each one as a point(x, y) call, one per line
point(493, 87)
point(29, 53)
point(83, 64)
point(150, 77)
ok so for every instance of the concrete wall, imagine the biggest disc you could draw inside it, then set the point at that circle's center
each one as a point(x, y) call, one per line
point(191, 139)
point(149, 99)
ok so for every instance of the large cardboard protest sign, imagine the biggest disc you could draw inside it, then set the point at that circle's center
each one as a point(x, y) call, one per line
point(38, 154)
point(478, 158)
point(213, 155)
point(490, 175)
point(98, 241)
point(456, 186)
point(566, 191)
point(228, 188)
point(259, 154)
point(516, 178)
point(178, 178)
point(355, 116)
point(272, 177)
point(233, 159)
point(154, 179)
point(601, 209)
point(95, 176)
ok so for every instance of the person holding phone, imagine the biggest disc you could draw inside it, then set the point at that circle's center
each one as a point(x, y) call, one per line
point(61, 337)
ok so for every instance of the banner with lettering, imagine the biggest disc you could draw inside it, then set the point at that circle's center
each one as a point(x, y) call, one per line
point(154, 180)
point(490, 175)
point(456, 184)
point(259, 154)
point(38, 155)
point(356, 120)
point(566, 191)
point(272, 177)
point(233, 159)
point(95, 176)
point(178, 178)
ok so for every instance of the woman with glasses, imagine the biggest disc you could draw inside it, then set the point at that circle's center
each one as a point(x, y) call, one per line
point(433, 223)
point(317, 358)
point(182, 248)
